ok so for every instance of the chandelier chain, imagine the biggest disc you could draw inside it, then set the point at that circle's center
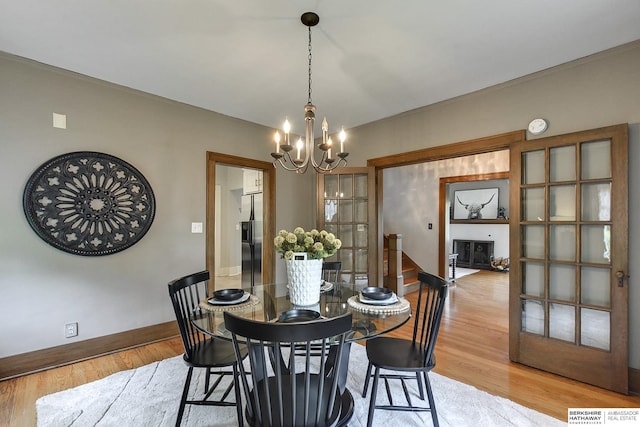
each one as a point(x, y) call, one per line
point(309, 99)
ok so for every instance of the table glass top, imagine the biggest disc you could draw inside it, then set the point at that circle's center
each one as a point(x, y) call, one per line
point(269, 302)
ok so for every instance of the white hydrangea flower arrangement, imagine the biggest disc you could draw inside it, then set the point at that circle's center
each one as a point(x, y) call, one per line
point(317, 244)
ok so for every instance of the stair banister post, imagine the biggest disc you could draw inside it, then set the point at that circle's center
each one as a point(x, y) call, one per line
point(396, 280)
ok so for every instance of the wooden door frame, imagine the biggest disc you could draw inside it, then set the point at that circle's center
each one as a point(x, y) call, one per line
point(459, 149)
point(268, 211)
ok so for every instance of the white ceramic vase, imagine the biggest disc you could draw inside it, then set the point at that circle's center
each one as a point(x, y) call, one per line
point(304, 277)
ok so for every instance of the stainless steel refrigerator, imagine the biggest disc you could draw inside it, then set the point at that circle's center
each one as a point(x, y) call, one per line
point(251, 231)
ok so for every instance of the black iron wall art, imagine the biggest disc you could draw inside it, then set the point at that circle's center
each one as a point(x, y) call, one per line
point(89, 203)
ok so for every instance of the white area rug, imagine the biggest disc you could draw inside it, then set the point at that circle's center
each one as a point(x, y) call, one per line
point(461, 272)
point(149, 396)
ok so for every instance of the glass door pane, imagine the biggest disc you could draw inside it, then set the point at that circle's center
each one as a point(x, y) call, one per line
point(596, 202)
point(596, 160)
point(346, 212)
point(562, 322)
point(533, 170)
point(596, 243)
point(562, 203)
point(346, 187)
point(533, 317)
point(360, 186)
point(345, 207)
point(330, 210)
point(331, 186)
point(562, 163)
point(562, 282)
point(362, 231)
point(361, 206)
point(533, 203)
point(562, 242)
point(596, 286)
point(595, 331)
point(533, 279)
point(533, 241)
point(345, 234)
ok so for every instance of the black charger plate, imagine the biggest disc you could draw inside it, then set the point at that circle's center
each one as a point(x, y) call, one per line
point(228, 294)
point(374, 292)
point(298, 315)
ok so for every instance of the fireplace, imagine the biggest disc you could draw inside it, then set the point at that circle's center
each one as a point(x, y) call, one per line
point(474, 253)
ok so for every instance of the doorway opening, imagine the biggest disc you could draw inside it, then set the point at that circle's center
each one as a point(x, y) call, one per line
point(240, 216)
point(459, 235)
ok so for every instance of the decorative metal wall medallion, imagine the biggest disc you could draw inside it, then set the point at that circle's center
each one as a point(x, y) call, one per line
point(89, 203)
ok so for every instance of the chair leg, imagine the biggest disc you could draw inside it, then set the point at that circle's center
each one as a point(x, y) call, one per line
point(432, 403)
point(366, 381)
point(185, 393)
point(420, 388)
point(236, 385)
point(206, 380)
point(374, 393)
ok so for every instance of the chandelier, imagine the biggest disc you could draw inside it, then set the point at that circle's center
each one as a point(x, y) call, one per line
point(297, 158)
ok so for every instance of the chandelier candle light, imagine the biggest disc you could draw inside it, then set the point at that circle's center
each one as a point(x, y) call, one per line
point(301, 161)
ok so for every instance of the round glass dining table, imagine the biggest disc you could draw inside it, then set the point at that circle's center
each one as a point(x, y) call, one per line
point(269, 302)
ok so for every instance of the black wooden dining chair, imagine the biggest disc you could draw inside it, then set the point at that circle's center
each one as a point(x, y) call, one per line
point(414, 356)
point(288, 389)
point(201, 351)
point(331, 271)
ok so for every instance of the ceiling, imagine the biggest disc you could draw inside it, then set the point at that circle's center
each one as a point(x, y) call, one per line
point(371, 58)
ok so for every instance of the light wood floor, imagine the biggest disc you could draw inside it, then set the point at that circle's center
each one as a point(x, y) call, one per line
point(472, 348)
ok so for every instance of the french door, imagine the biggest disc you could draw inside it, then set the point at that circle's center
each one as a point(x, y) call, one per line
point(568, 290)
point(346, 208)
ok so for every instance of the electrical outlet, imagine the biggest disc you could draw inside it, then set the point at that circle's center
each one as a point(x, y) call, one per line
point(71, 330)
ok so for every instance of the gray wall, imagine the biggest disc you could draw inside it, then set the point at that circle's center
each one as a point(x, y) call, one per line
point(597, 91)
point(43, 288)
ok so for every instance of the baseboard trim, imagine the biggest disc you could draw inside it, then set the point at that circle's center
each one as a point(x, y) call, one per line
point(634, 381)
point(40, 360)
